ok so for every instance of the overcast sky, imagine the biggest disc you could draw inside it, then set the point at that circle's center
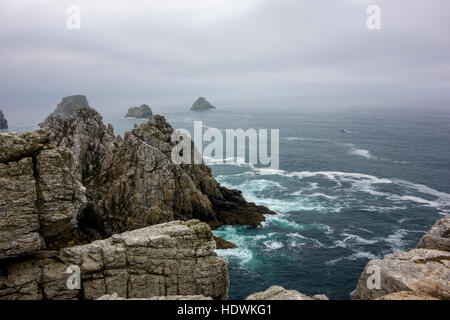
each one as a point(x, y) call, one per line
point(236, 53)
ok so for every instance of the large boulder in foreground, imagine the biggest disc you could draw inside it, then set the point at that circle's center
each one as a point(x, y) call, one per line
point(201, 104)
point(172, 259)
point(3, 121)
point(40, 197)
point(424, 271)
point(142, 112)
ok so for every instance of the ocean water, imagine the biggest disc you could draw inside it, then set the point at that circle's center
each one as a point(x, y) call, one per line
point(342, 198)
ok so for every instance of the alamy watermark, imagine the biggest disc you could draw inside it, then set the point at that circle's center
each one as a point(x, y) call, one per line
point(374, 19)
point(234, 149)
point(73, 21)
point(74, 280)
point(374, 280)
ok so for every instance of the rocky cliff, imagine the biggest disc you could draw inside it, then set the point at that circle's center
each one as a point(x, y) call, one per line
point(40, 197)
point(171, 259)
point(3, 121)
point(202, 105)
point(74, 195)
point(143, 112)
point(132, 182)
point(422, 273)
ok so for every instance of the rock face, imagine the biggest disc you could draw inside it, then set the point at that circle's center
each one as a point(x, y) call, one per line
point(279, 293)
point(69, 105)
point(438, 237)
point(133, 183)
point(3, 122)
point(202, 105)
point(40, 197)
point(74, 182)
point(143, 112)
point(424, 271)
point(172, 259)
point(86, 136)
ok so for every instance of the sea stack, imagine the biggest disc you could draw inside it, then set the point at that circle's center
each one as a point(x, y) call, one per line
point(69, 105)
point(202, 105)
point(142, 112)
point(3, 122)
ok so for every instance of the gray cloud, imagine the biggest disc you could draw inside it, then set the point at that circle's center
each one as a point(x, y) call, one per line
point(238, 53)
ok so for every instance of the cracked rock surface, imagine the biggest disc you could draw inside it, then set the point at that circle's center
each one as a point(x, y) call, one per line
point(420, 272)
point(40, 197)
point(171, 259)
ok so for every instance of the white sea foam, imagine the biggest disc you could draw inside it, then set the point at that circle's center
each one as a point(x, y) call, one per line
point(395, 240)
point(307, 139)
point(352, 240)
point(355, 256)
point(273, 245)
point(304, 240)
point(370, 184)
point(362, 153)
point(325, 228)
point(282, 222)
point(244, 255)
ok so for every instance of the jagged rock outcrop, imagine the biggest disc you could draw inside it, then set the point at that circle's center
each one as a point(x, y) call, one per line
point(279, 293)
point(86, 136)
point(171, 259)
point(133, 183)
point(424, 271)
point(69, 105)
point(438, 237)
point(142, 112)
point(3, 121)
point(40, 197)
point(201, 104)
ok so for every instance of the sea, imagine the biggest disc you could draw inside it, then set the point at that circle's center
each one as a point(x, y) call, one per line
point(352, 185)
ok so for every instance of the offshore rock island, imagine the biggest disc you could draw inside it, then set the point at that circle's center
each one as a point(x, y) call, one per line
point(69, 105)
point(201, 104)
point(3, 121)
point(142, 112)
